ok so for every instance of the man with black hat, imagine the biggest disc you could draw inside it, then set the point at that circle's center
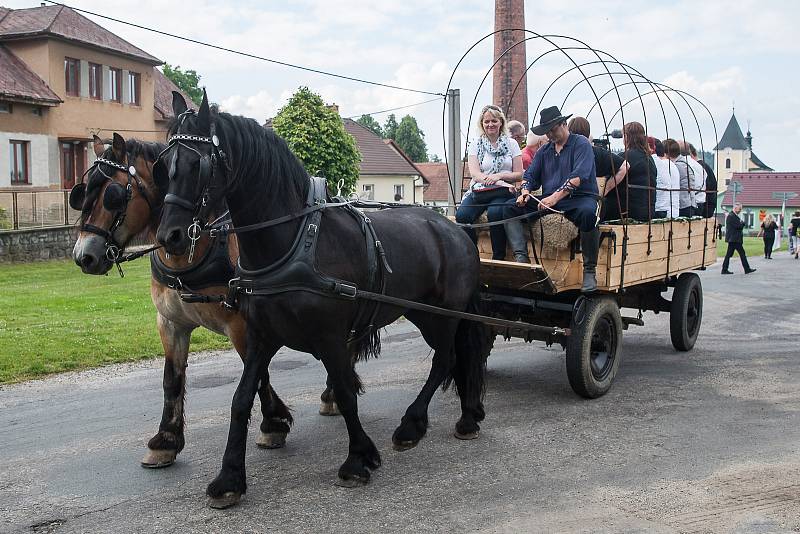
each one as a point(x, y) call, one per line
point(565, 170)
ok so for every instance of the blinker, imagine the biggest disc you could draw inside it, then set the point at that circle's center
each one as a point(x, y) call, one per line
point(205, 169)
point(76, 196)
point(115, 197)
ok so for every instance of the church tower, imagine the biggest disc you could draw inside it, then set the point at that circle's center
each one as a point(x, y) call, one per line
point(511, 68)
point(734, 153)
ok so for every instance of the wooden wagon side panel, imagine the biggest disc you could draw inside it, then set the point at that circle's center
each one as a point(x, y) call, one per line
point(674, 247)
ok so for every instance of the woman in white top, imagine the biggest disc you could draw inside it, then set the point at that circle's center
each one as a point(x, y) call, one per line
point(668, 177)
point(495, 165)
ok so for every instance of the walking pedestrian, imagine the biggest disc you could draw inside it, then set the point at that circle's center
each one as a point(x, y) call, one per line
point(735, 239)
point(768, 230)
point(794, 228)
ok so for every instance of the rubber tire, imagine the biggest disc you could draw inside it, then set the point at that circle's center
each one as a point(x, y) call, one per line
point(587, 317)
point(679, 324)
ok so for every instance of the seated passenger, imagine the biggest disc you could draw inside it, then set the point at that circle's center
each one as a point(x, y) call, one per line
point(533, 143)
point(495, 164)
point(631, 193)
point(564, 169)
point(669, 178)
point(606, 162)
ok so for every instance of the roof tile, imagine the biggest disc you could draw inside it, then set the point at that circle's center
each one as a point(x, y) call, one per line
point(62, 22)
point(163, 95)
point(757, 188)
point(17, 81)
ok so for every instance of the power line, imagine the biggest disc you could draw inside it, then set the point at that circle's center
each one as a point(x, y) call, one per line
point(395, 109)
point(246, 54)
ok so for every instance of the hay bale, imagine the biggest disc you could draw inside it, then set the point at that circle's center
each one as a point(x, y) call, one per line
point(558, 231)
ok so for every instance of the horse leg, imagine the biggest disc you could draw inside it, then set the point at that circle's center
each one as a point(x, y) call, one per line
point(472, 346)
point(439, 334)
point(231, 483)
point(277, 419)
point(362, 453)
point(327, 405)
point(163, 448)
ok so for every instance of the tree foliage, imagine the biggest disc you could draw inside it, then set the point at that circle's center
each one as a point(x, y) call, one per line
point(411, 139)
point(390, 127)
point(187, 81)
point(316, 135)
point(367, 121)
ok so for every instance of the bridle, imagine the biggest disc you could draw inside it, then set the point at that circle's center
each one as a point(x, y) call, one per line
point(115, 200)
point(201, 207)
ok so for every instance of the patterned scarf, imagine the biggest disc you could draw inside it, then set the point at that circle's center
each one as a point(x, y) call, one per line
point(497, 153)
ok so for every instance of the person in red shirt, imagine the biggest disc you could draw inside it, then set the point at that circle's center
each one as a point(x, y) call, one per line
point(532, 143)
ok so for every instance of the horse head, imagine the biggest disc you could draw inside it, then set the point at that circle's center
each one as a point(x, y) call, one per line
point(131, 192)
point(193, 159)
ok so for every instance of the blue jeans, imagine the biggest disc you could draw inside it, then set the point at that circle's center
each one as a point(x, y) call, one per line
point(472, 207)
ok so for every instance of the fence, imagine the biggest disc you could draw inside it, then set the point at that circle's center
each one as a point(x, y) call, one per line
point(21, 210)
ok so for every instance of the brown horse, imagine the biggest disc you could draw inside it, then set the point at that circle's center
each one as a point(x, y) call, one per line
point(122, 198)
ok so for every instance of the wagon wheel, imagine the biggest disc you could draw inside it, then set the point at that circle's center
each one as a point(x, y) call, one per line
point(594, 346)
point(686, 311)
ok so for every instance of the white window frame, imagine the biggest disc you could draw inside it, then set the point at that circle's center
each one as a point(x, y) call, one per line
point(368, 191)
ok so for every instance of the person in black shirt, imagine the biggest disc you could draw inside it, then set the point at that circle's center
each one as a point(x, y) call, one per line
point(639, 170)
point(794, 240)
point(734, 237)
point(768, 229)
point(606, 162)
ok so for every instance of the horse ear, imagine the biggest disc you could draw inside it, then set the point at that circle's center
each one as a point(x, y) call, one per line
point(98, 146)
point(204, 114)
point(178, 103)
point(118, 145)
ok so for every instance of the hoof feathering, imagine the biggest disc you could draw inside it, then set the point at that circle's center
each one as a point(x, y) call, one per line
point(155, 459)
point(272, 440)
point(228, 499)
point(329, 409)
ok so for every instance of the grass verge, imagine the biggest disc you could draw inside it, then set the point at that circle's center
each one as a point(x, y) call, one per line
point(753, 246)
point(53, 318)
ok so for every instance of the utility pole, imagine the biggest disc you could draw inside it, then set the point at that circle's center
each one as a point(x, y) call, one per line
point(736, 187)
point(783, 196)
point(454, 153)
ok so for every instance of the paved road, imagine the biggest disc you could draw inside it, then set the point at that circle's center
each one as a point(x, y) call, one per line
point(704, 441)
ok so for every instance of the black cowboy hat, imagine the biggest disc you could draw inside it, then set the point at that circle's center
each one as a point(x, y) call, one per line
point(548, 118)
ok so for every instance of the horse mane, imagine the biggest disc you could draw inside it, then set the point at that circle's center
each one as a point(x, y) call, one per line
point(259, 159)
point(147, 150)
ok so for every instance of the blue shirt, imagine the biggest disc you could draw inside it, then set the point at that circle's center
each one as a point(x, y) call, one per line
point(549, 170)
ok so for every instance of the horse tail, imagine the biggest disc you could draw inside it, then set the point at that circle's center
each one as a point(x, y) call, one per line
point(473, 343)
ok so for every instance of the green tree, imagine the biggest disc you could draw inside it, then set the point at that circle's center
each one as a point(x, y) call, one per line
point(411, 139)
point(371, 124)
point(316, 135)
point(434, 158)
point(390, 127)
point(187, 81)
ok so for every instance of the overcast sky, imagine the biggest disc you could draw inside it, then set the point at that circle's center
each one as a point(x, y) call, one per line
point(743, 52)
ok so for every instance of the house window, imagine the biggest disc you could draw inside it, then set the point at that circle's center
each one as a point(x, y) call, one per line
point(18, 162)
point(749, 218)
point(368, 191)
point(72, 76)
point(95, 81)
point(114, 84)
point(399, 192)
point(727, 163)
point(36, 111)
point(134, 86)
point(5, 107)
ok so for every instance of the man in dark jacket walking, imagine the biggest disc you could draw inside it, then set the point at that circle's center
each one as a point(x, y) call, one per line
point(735, 240)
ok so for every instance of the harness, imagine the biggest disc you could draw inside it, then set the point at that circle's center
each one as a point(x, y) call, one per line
point(297, 270)
point(213, 269)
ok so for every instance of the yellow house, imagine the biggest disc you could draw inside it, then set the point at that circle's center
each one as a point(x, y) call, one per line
point(62, 79)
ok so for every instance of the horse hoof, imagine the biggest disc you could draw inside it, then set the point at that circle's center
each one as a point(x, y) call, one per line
point(228, 499)
point(466, 436)
point(353, 482)
point(158, 458)
point(273, 440)
point(329, 409)
point(404, 445)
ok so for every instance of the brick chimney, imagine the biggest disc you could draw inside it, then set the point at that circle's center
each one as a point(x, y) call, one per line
point(507, 72)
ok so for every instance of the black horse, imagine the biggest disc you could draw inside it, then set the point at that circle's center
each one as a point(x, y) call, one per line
point(212, 155)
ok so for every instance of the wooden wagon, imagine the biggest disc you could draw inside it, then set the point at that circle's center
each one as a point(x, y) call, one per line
point(636, 265)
